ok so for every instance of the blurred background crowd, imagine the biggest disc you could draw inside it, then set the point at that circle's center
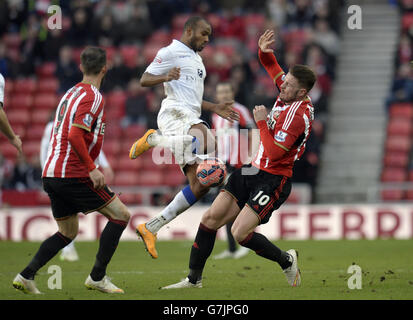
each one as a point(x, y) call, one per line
point(40, 64)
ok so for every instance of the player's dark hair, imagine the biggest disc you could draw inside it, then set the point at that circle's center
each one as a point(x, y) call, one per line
point(93, 59)
point(193, 21)
point(305, 76)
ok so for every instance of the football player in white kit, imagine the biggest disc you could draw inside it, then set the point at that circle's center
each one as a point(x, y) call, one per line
point(179, 67)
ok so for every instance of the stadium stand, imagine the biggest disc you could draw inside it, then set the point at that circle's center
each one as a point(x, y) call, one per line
point(33, 90)
point(397, 169)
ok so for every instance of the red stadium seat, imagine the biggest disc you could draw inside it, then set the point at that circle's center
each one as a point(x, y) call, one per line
point(8, 150)
point(20, 101)
point(173, 178)
point(129, 55)
point(25, 86)
point(112, 131)
point(116, 99)
point(178, 21)
point(399, 126)
point(31, 147)
point(407, 21)
point(398, 144)
point(47, 101)
point(126, 164)
point(214, 20)
point(48, 85)
point(134, 131)
point(35, 132)
point(76, 54)
point(396, 159)
point(17, 116)
point(392, 195)
point(256, 20)
point(393, 175)
point(9, 87)
point(20, 130)
point(126, 178)
point(150, 177)
point(403, 110)
point(111, 147)
point(41, 116)
point(12, 40)
point(150, 51)
point(46, 70)
point(160, 37)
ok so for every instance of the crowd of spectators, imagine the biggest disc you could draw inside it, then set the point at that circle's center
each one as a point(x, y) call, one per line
point(307, 32)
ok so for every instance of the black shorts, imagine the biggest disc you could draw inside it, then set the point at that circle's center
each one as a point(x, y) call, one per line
point(262, 192)
point(69, 196)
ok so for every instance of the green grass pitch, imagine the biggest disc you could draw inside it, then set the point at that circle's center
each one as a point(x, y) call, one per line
point(387, 267)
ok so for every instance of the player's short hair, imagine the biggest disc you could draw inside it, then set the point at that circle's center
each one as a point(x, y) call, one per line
point(305, 76)
point(93, 59)
point(193, 21)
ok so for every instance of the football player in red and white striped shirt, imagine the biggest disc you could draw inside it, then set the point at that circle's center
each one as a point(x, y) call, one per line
point(249, 197)
point(73, 182)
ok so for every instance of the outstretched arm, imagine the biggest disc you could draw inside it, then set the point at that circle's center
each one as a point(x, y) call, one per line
point(150, 80)
point(8, 131)
point(224, 110)
point(267, 57)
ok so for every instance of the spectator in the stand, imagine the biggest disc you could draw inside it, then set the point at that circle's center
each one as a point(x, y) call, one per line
point(300, 14)
point(139, 68)
point(21, 177)
point(402, 88)
point(8, 67)
point(154, 106)
point(55, 40)
point(305, 170)
point(34, 174)
point(31, 46)
point(138, 27)
point(240, 85)
point(316, 60)
point(67, 71)
point(231, 26)
point(79, 33)
point(117, 76)
point(106, 31)
point(325, 37)
point(17, 14)
point(405, 50)
point(6, 171)
point(136, 105)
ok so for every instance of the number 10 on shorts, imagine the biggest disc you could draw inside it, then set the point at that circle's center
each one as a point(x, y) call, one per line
point(261, 198)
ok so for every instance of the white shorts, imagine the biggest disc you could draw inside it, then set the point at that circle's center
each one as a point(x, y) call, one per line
point(177, 122)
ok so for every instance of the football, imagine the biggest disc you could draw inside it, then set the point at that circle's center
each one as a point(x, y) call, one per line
point(211, 172)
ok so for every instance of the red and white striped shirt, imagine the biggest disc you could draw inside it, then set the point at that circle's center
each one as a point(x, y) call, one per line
point(290, 126)
point(81, 106)
point(229, 139)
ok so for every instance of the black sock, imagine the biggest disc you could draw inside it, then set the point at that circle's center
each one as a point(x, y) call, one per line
point(232, 245)
point(266, 249)
point(48, 249)
point(108, 243)
point(201, 250)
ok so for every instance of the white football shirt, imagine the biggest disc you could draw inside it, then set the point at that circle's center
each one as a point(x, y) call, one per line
point(2, 83)
point(188, 90)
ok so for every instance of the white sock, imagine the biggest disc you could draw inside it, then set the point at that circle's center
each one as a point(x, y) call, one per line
point(156, 139)
point(179, 204)
point(69, 247)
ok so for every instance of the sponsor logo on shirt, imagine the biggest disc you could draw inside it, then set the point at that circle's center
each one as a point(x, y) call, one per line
point(184, 56)
point(280, 136)
point(87, 120)
point(158, 60)
point(200, 73)
point(102, 129)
